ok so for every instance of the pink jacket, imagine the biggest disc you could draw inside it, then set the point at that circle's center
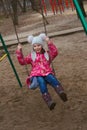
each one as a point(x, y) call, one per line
point(41, 66)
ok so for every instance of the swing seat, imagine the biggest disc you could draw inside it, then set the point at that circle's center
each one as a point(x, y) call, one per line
point(32, 83)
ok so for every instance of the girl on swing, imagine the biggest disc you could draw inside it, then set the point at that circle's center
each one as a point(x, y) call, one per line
point(41, 72)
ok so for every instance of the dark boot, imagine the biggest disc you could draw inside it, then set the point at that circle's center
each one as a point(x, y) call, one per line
point(60, 91)
point(47, 98)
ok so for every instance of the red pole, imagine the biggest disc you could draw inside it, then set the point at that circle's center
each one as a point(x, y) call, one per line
point(66, 3)
point(72, 5)
point(61, 7)
point(44, 5)
point(52, 6)
point(55, 5)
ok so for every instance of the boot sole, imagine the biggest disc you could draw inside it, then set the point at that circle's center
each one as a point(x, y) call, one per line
point(52, 106)
point(63, 96)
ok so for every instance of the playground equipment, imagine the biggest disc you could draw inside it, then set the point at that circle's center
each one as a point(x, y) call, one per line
point(62, 4)
point(57, 5)
point(8, 55)
point(81, 16)
point(3, 57)
point(15, 29)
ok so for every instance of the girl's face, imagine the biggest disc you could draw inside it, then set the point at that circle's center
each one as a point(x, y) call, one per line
point(37, 47)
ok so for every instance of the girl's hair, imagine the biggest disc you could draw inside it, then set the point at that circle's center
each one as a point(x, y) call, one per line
point(42, 51)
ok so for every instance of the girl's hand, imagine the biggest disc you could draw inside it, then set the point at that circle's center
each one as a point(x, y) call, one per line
point(19, 47)
point(47, 39)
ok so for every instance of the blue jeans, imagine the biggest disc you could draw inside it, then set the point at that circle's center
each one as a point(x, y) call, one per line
point(43, 80)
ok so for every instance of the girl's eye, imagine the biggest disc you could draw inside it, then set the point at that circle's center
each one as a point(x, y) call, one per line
point(39, 45)
point(34, 46)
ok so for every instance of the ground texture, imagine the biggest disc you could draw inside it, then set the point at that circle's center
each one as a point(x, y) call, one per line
point(24, 109)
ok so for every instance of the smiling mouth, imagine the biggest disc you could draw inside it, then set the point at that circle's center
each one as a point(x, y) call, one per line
point(38, 50)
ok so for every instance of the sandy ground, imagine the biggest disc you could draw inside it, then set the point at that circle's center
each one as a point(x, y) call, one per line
point(24, 109)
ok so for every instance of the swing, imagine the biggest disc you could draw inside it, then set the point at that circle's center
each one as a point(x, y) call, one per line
point(33, 84)
point(45, 30)
point(16, 32)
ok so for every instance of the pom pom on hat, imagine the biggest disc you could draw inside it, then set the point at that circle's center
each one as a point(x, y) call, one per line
point(43, 36)
point(30, 38)
point(37, 39)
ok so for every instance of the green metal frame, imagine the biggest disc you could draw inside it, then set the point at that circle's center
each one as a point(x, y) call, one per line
point(82, 18)
point(8, 55)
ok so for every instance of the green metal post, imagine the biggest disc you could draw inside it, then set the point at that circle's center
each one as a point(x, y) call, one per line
point(82, 18)
point(8, 55)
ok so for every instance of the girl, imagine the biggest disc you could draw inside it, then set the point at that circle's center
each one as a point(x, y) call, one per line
point(41, 72)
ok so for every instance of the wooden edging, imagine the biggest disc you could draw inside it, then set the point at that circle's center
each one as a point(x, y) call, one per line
point(23, 40)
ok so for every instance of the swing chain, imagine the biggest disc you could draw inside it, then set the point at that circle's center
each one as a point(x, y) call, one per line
point(15, 29)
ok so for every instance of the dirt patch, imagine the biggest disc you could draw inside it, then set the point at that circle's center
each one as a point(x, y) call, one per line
point(24, 109)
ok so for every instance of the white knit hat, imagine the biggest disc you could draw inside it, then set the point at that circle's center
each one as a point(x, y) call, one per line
point(37, 39)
